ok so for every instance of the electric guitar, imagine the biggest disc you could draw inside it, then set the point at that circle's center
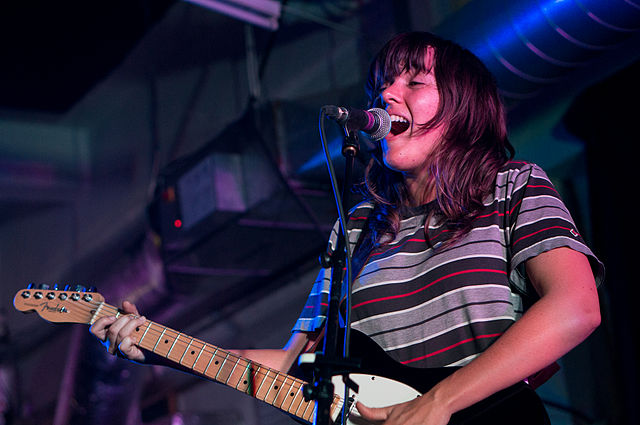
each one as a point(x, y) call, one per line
point(382, 382)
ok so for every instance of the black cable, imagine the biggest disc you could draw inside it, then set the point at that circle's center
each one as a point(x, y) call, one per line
point(347, 247)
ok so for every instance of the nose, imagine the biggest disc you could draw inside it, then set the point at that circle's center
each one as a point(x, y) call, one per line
point(390, 94)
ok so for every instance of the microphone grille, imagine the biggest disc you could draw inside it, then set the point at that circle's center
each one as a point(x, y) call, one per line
point(385, 124)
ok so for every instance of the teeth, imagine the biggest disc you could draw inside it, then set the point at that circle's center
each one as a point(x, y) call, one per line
point(398, 124)
point(397, 118)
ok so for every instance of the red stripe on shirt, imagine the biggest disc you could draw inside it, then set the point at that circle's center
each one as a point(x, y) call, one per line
point(542, 230)
point(442, 350)
point(490, 214)
point(391, 297)
point(543, 185)
point(515, 206)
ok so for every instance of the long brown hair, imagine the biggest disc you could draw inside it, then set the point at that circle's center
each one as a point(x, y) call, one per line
point(474, 145)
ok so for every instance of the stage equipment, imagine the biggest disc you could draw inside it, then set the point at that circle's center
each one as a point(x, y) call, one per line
point(263, 13)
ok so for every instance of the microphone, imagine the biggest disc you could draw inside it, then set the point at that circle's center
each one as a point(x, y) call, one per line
point(375, 122)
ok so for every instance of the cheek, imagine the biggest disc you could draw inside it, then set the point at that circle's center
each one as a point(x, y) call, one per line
point(428, 110)
point(425, 105)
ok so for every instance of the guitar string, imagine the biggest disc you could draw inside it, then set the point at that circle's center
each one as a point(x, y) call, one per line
point(171, 333)
point(279, 378)
point(204, 347)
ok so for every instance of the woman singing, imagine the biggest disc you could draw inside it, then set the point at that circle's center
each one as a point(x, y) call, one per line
point(465, 257)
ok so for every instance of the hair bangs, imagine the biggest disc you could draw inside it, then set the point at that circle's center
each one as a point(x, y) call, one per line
point(406, 53)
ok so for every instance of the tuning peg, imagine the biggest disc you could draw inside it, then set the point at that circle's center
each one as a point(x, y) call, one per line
point(55, 287)
point(92, 289)
point(31, 285)
point(67, 287)
point(43, 286)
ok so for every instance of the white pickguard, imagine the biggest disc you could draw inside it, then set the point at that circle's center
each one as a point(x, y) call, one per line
point(373, 391)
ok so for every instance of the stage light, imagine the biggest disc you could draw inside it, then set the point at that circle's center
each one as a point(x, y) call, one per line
point(263, 13)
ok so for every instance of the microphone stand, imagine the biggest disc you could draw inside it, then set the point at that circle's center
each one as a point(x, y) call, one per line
point(331, 362)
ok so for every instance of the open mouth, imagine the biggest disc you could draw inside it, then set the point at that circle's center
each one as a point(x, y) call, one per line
point(398, 125)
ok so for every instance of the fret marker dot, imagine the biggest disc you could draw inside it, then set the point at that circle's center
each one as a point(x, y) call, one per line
point(166, 341)
point(192, 352)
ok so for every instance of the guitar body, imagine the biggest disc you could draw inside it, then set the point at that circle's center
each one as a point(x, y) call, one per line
point(381, 380)
point(373, 391)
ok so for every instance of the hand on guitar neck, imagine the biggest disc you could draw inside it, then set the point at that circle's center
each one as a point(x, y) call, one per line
point(115, 332)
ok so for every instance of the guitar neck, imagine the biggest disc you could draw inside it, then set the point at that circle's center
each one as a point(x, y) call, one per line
point(278, 389)
point(269, 385)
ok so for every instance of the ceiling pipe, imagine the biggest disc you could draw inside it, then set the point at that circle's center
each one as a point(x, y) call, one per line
point(530, 45)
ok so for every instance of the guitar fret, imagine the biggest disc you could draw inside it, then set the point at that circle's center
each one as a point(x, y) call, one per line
point(307, 417)
point(304, 415)
point(261, 384)
point(221, 367)
point(291, 395)
point(304, 403)
point(159, 339)
point(235, 364)
point(193, 366)
point(275, 385)
point(299, 398)
point(270, 387)
point(278, 389)
point(281, 396)
point(185, 351)
point(172, 345)
point(209, 363)
point(145, 332)
point(287, 395)
point(244, 384)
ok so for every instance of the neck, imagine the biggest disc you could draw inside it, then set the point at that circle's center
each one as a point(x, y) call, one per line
point(421, 190)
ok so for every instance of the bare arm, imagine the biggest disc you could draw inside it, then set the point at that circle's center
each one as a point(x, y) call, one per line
point(566, 313)
point(281, 359)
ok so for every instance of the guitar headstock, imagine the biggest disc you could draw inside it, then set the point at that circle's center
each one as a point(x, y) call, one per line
point(73, 304)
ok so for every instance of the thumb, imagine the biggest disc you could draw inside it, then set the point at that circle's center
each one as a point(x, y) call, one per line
point(372, 413)
point(130, 308)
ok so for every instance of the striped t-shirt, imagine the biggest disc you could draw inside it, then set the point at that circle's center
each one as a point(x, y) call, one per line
point(429, 306)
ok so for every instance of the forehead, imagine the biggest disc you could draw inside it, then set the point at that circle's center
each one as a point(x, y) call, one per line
point(407, 61)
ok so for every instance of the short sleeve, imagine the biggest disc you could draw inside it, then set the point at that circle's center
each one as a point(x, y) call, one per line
point(539, 221)
point(314, 312)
